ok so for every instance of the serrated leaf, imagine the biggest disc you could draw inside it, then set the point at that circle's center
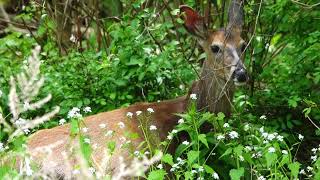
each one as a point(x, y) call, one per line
point(167, 158)
point(192, 156)
point(294, 168)
point(157, 175)
point(202, 138)
point(236, 174)
point(271, 158)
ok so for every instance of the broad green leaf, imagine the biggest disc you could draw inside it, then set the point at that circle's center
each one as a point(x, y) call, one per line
point(167, 158)
point(227, 152)
point(208, 169)
point(271, 159)
point(192, 156)
point(294, 168)
point(202, 138)
point(236, 174)
point(157, 175)
point(188, 175)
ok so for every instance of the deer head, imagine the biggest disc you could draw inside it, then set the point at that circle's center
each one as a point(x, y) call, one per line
point(224, 47)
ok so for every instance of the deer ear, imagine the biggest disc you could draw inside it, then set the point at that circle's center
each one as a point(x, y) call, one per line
point(193, 22)
point(235, 16)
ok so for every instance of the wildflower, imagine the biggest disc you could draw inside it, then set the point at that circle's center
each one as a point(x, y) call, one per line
point(185, 143)
point(121, 125)
point(138, 113)
point(248, 148)
point(150, 110)
point(314, 150)
point(220, 137)
point(246, 127)
point(285, 152)
point(169, 137)
point(136, 153)
point(1, 93)
point(215, 176)
point(146, 153)
point(91, 170)
point(73, 38)
point(193, 96)
point(264, 134)
point(129, 114)
point(309, 168)
point(180, 121)
point(233, 135)
point(62, 121)
point(85, 129)
point(160, 166)
point(271, 150)
point(241, 158)
point(263, 117)
point(26, 105)
point(261, 129)
point(270, 137)
point(102, 125)
point(302, 171)
point(153, 127)
point(87, 109)
point(74, 113)
point(109, 133)
point(193, 171)
point(265, 142)
point(280, 138)
point(257, 155)
point(26, 131)
point(314, 158)
point(172, 169)
point(261, 178)
point(200, 169)
point(226, 125)
point(174, 131)
point(87, 140)
point(300, 137)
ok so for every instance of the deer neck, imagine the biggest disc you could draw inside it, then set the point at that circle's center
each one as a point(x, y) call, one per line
point(214, 91)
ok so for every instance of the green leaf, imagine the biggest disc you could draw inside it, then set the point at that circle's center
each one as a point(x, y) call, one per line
point(111, 146)
point(188, 175)
point(271, 159)
point(192, 156)
point(227, 152)
point(294, 168)
point(236, 174)
point(157, 175)
point(202, 138)
point(208, 169)
point(167, 158)
point(74, 127)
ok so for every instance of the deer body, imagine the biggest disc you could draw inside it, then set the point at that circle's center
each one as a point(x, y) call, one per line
point(214, 93)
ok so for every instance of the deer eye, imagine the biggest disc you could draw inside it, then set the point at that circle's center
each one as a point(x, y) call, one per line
point(215, 49)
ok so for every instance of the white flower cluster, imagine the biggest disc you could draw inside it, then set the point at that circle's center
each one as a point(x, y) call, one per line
point(74, 113)
point(314, 156)
point(1, 147)
point(171, 134)
point(270, 136)
point(179, 164)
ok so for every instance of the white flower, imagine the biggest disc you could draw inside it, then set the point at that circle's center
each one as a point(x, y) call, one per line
point(300, 137)
point(314, 150)
point(153, 127)
point(102, 125)
point(174, 131)
point(226, 125)
point(91, 170)
point(314, 158)
point(302, 171)
point(257, 155)
point(265, 142)
point(180, 121)
point(109, 133)
point(248, 148)
point(270, 137)
point(169, 137)
point(160, 166)
point(172, 169)
point(271, 150)
point(20, 122)
point(261, 178)
point(261, 129)
point(138, 113)
point(121, 125)
point(309, 168)
point(280, 138)
point(200, 169)
point(136, 153)
point(129, 114)
point(185, 143)
point(146, 153)
point(264, 134)
point(193, 171)
point(74, 113)
point(246, 127)
point(87, 109)
point(150, 110)
point(263, 117)
point(241, 158)
point(85, 129)
point(26, 131)
point(233, 134)
point(220, 137)
point(1, 93)
point(193, 96)
point(215, 176)
point(87, 140)
point(62, 121)
point(72, 38)
point(285, 152)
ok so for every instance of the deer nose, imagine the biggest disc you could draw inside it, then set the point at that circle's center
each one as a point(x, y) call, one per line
point(240, 75)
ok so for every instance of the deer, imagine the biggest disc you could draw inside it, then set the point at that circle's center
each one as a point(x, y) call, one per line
point(222, 71)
